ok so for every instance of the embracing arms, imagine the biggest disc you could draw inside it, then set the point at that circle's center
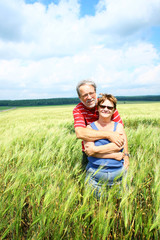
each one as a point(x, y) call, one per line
point(89, 135)
point(110, 150)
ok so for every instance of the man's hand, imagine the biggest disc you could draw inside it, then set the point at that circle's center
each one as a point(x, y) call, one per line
point(126, 162)
point(118, 156)
point(116, 138)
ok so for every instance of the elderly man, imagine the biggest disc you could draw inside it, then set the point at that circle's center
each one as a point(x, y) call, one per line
point(85, 113)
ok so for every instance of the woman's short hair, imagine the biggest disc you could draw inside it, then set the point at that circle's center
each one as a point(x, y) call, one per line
point(85, 82)
point(105, 96)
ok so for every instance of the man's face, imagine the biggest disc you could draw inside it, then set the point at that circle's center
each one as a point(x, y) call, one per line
point(88, 96)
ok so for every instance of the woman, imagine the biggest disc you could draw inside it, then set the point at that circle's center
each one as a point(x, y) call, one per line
point(102, 166)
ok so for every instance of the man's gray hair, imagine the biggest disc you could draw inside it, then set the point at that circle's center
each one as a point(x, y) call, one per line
point(85, 82)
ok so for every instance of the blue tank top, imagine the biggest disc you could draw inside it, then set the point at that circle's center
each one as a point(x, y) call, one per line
point(108, 163)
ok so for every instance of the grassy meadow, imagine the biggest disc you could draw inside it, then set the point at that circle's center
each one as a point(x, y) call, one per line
point(4, 108)
point(42, 189)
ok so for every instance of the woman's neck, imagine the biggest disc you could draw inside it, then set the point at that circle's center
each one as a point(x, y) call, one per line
point(104, 121)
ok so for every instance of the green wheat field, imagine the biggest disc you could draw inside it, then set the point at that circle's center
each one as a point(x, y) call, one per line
point(42, 189)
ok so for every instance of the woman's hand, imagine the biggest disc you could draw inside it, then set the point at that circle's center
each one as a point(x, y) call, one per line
point(89, 148)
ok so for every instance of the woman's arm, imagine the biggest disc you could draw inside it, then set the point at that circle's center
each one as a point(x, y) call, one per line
point(92, 150)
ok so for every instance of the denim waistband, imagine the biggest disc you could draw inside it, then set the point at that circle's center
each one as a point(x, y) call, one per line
point(102, 168)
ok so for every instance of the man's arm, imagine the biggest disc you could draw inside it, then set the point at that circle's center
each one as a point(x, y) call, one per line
point(88, 134)
point(126, 157)
point(120, 129)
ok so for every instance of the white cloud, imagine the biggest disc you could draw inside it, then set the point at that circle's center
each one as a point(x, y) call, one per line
point(109, 68)
point(127, 16)
point(44, 52)
point(150, 76)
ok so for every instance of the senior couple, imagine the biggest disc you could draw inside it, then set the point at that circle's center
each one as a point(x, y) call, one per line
point(98, 123)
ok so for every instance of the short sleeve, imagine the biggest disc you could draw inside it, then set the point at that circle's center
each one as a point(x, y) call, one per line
point(79, 120)
point(116, 117)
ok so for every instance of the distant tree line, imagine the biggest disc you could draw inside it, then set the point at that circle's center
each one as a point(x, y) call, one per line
point(67, 101)
point(39, 102)
point(139, 98)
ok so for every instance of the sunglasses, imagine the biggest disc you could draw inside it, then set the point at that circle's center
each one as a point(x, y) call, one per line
point(104, 106)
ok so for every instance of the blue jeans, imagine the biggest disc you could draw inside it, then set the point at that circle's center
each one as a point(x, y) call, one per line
point(96, 177)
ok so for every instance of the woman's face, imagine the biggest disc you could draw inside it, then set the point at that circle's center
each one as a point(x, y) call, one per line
point(106, 108)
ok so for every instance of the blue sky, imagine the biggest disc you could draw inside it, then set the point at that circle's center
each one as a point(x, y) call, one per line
point(47, 47)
